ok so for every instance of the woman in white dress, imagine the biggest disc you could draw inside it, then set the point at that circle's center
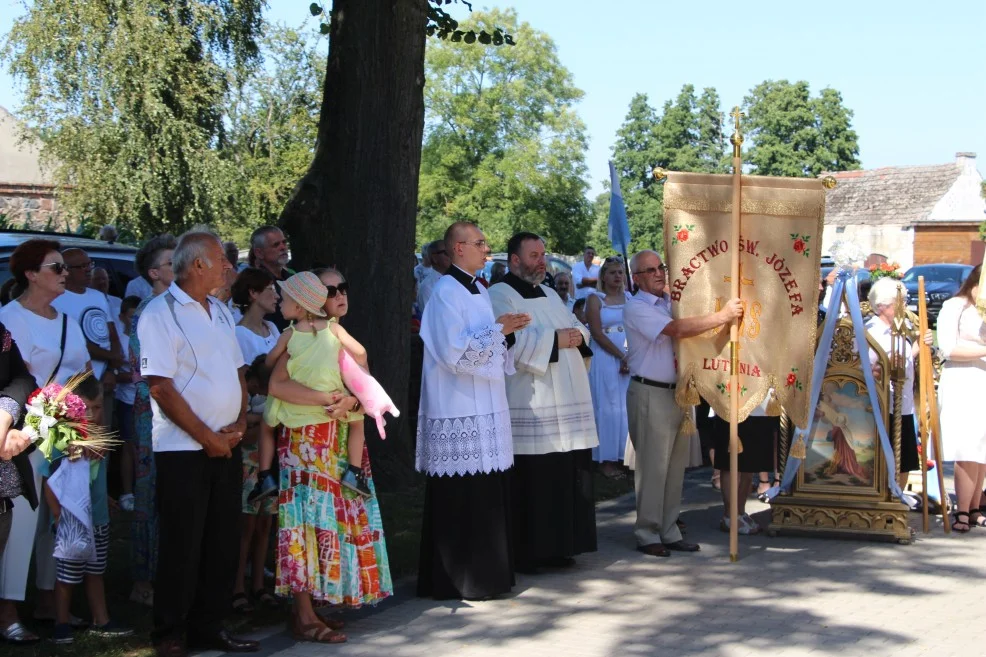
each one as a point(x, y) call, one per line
point(609, 374)
point(962, 340)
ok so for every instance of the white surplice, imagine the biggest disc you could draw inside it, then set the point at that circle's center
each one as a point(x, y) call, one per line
point(463, 417)
point(550, 403)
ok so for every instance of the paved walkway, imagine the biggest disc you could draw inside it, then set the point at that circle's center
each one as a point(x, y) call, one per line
point(786, 596)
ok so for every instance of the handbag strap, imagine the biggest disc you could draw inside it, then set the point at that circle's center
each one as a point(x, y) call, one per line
point(61, 349)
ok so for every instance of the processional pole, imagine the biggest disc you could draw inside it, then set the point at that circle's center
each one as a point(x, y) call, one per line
point(928, 412)
point(898, 374)
point(734, 284)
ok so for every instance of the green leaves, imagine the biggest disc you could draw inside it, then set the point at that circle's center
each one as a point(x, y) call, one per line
point(503, 145)
point(792, 134)
point(315, 9)
point(442, 25)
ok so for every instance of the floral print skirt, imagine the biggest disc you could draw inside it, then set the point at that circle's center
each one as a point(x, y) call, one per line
point(330, 540)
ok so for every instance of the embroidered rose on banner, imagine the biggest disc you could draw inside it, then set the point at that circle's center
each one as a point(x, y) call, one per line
point(800, 244)
point(682, 232)
point(792, 380)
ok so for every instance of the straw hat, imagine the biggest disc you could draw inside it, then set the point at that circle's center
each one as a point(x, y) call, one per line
point(307, 291)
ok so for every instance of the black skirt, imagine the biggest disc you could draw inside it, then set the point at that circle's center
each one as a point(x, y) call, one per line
point(465, 537)
point(908, 444)
point(759, 438)
point(554, 508)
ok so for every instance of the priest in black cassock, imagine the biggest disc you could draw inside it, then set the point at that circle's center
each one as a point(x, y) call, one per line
point(464, 444)
point(554, 430)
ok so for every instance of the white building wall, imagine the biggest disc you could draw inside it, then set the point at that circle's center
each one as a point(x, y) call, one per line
point(963, 201)
point(894, 241)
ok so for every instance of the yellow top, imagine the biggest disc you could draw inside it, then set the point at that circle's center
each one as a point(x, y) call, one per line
point(313, 361)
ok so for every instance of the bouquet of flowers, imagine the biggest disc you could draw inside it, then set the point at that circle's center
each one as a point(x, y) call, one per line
point(886, 270)
point(56, 420)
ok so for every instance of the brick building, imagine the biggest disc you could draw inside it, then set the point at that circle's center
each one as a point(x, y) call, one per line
point(27, 195)
point(911, 215)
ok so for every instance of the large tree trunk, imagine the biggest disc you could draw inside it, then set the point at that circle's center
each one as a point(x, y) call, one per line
point(356, 207)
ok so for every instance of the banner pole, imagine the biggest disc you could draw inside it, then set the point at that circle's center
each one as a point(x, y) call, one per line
point(928, 396)
point(734, 292)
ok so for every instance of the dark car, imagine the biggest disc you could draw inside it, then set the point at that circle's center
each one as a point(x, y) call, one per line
point(941, 282)
point(117, 259)
point(554, 264)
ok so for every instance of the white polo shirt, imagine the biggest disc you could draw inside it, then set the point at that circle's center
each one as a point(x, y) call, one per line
point(200, 354)
point(650, 353)
point(580, 271)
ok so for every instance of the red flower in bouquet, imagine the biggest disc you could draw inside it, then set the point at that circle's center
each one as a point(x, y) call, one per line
point(56, 420)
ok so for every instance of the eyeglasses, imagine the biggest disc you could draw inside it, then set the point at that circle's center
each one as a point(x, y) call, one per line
point(162, 265)
point(84, 265)
point(479, 244)
point(442, 252)
point(58, 267)
point(650, 271)
point(332, 290)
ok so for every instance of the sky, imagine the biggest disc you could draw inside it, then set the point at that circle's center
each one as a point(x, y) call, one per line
point(913, 73)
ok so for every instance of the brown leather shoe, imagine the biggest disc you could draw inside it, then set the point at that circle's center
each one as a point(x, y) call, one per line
point(654, 550)
point(682, 546)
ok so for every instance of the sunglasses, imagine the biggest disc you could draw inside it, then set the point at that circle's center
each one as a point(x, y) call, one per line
point(332, 290)
point(652, 270)
point(58, 267)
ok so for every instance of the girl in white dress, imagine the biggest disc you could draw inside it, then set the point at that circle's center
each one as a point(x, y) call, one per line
point(962, 340)
point(609, 374)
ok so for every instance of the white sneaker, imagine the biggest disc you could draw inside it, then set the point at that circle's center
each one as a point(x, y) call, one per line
point(126, 502)
point(747, 525)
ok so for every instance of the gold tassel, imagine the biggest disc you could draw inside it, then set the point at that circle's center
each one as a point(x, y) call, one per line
point(687, 427)
point(799, 449)
point(691, 397)
point(773, 405)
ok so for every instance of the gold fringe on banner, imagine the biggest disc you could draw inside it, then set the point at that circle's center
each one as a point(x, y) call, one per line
point(687, 427)
point(799, 450)
point(774, 408)
point(691, 397)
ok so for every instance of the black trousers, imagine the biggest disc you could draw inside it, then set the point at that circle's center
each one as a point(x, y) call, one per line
point(198, 501)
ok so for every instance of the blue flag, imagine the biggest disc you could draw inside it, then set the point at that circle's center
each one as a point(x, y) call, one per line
point(619, 230)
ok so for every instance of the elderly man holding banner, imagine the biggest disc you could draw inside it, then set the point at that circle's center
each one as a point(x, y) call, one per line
point(653, 414)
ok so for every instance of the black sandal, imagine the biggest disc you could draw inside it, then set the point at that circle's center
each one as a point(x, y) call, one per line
point(266, 599)
point(241, 604)
point(976, 519)
point(763, 496)
point(956, 521)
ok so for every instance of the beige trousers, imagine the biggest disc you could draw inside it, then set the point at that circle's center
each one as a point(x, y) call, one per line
point(662, 455)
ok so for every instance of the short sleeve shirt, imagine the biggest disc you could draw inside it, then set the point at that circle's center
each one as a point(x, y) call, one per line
point(39, 340)
point(199, 352)
point(91, 310)
point(650, 353)
point(580, 271)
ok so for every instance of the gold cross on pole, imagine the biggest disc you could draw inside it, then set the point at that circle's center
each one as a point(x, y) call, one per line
point(737, 115)
point(743, 281)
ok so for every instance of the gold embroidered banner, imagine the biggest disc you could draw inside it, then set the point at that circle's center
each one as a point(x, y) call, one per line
point(780, 238)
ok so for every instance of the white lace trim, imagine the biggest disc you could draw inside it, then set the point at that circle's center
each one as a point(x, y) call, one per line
point(485, 354)
point(464, 445)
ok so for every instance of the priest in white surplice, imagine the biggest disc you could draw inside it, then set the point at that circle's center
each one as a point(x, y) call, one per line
point(552, 507)
point(464, 444)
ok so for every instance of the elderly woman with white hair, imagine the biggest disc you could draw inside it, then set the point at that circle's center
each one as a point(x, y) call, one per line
point(883, 300)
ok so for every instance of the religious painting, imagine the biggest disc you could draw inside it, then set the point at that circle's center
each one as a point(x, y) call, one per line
point(843, 450)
